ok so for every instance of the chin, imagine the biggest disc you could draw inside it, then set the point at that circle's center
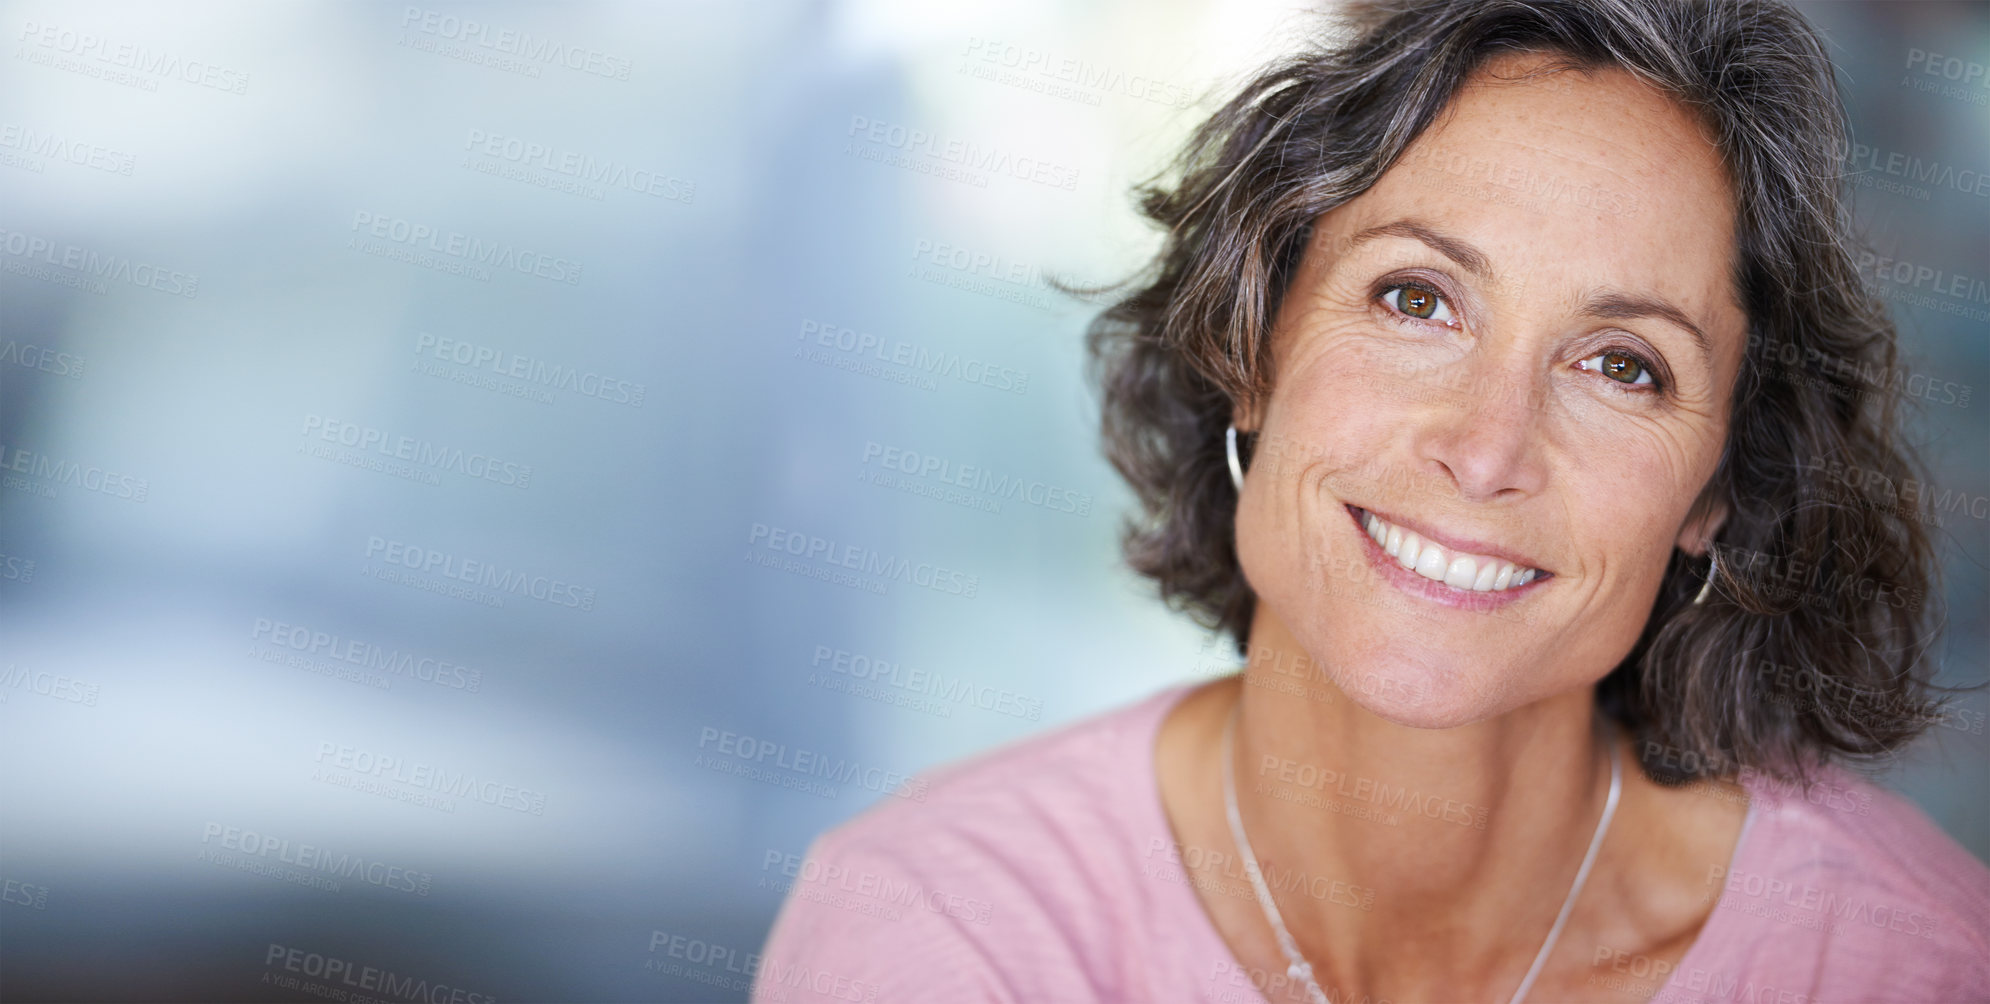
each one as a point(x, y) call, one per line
point(1443, 708)
point(1423, 690)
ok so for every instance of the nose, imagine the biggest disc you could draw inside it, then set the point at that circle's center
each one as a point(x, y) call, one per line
point(1484, 430)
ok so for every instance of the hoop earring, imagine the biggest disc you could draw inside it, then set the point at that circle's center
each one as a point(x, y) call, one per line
point(1713, 569)
point(1236, 466)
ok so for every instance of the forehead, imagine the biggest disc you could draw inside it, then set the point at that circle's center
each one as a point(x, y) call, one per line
point(1569, 179)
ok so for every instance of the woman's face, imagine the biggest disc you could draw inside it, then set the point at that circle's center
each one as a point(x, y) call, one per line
point(1518, 345)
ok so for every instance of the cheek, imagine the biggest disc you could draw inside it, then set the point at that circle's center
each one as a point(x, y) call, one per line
point(1627, 486)
point(1343, 392)
point(1315, 425)
point(1344, 416)
point(1331, 429)
point(1337, 423)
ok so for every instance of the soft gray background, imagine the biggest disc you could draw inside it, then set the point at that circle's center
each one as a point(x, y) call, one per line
point(138, 719)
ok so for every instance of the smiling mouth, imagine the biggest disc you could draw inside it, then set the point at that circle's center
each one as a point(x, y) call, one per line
point(1461, 570)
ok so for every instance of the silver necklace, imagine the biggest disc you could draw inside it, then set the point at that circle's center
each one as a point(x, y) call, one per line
point(1300, 971)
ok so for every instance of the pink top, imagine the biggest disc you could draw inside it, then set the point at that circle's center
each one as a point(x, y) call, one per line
point(1042, 871)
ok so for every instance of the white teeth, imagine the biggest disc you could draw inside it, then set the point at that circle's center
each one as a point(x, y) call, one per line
point(1462, 573)
point(1459, 571)
point(1430, 562)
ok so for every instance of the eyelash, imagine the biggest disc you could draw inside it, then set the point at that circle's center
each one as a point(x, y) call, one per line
point(1645, 366)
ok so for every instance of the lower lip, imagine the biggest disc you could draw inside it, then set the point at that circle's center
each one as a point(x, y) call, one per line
point(1433, 590)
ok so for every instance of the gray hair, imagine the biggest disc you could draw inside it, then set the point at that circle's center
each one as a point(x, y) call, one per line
point(1708, 685)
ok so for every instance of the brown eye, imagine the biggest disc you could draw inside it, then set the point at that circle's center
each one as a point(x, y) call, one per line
point(1621, 367)
point(1419, 303)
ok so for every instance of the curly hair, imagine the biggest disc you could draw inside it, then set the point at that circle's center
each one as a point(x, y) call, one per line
point(1814, 645)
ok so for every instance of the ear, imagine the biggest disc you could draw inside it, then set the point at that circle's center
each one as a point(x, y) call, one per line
point(1706, 519)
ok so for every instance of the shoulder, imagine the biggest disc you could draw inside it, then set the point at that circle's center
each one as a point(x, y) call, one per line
point(1858, 893)
point(993, 878)
point(1845, 825)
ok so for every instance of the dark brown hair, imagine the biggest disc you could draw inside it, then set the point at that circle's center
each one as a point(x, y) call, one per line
point(1813, 646)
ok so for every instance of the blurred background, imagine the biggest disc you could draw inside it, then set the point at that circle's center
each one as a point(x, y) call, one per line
point(481, 487)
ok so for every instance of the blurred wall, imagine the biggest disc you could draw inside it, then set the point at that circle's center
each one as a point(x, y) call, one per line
point(408, 415)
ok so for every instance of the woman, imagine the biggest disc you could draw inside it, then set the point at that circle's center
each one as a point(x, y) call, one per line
point(1440, 400)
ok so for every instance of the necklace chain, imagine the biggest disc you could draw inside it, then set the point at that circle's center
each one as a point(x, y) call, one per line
point(1299, 970)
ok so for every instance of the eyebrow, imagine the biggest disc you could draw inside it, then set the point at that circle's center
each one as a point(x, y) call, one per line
point(1607, 304)
point(1615, 305)
point(1469, 258)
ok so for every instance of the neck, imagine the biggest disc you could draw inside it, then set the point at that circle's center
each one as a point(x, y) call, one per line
point(1412, 857)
